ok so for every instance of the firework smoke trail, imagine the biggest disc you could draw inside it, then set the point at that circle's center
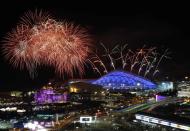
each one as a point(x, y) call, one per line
point(145, 59)
point(151, 63)
point(122, 56)
point(150, 66)
point(94, 67)
point(124, 60)
point(131, 58)
point(134, 61)
point(108, 53)
point(98, 60)
point(128, 58)
point(136, 58)
point(41, 40)
point(142, 64)
point(162, 56)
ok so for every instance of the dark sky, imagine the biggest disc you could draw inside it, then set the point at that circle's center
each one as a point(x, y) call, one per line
point(157, 24)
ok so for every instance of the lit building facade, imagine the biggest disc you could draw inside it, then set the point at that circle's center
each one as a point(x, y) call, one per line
point(49, 96)
point(165, 85)
point(184, 92)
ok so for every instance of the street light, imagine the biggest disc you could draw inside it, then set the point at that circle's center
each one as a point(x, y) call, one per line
point(186, 77)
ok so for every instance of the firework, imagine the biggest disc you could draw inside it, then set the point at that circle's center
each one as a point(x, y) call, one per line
point(31, 18)
point(65, 46)
point(17, 47)
point(96, 59)
point(164, 55)
point(42, 40)
point(109, 55)
point(94, 67)
point(122, 56)
point(143, 61)
point(146, 59)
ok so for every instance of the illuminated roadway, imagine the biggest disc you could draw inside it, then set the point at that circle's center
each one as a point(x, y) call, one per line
point(149, 106)
point(64, 123)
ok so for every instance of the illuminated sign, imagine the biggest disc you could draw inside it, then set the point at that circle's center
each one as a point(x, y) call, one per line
point(86, 119)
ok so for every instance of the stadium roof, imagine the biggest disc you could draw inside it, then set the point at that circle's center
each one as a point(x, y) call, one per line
point(124, 80)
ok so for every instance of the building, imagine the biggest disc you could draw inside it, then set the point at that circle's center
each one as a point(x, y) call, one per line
point(83, 87)
point(124, 80)
point(156, 120)
point(165, 85)
point(160, 98)
point(182, 84)
point(81, 91)
point(184, 92)
point(49, 95)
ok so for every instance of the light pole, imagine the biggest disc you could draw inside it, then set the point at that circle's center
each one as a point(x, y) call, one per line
point(74, 125)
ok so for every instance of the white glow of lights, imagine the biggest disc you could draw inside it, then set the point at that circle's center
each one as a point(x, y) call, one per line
point(41, 130)
point(48, 124)
point(35, 123)
point(174, 125)
point(30, 125)
point(21, 111)
point(146, 118)
point(138, 117)
point(9, 109)
point(34, 126)
point(154, 120)
point(184, 127)
point(164, 123)
point(86, 119)
point(3, 109)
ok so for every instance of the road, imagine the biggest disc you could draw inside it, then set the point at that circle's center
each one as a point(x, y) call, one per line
point(150, 106)
point(64, 123)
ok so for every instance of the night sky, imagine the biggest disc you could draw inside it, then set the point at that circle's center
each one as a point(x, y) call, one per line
point(160, 25)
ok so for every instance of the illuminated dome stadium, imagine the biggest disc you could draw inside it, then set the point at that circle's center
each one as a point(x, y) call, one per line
point(124, 80)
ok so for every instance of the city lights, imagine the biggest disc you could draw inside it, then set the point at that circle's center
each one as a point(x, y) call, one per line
point(63, 68)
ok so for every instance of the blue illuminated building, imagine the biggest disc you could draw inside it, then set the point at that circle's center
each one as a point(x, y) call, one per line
point(124, 80)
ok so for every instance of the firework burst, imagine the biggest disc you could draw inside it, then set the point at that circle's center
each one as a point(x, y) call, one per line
point(143, 61)
point(16, 48)
point(31, 18)
point(40, 39)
